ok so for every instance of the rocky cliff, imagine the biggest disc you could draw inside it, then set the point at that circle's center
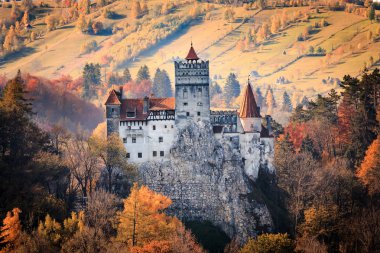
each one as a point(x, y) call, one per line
point(206, 181)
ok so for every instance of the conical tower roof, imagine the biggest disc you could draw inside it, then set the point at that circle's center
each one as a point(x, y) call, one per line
point(248, 106)
point(192, 55)
point(113, 99)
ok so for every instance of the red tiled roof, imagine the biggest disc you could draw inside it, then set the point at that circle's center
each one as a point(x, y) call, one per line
point(158, 104)
point(137, 106)
point(248, 107)
point(113, 99)
point(192, 55)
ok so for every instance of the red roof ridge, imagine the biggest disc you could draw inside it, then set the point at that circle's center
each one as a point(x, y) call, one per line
point(192, 55)
point(248, 107)
point(113, 98)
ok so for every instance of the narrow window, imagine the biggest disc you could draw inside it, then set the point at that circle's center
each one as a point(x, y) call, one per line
point(128, 155)
point(172, 126)
point(113, 109)
point(184, 104)
point(199, 92)
point(187, 114)
point(154, 127)
point(185, 93)
point(199, 104)
point(139, 155)
point(199, 113)
point(166, 126)
point(154, 153)
point(133, 139)
point(162, 153)
point(125, 140)
point(160, 139)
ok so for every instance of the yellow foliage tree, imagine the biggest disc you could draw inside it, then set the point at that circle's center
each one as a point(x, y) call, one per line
point(50, 230)
point(143, 221)
point(11, 230)
point(369, 171)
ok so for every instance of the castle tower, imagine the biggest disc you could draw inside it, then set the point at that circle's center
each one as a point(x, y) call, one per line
point(192, 93)
point(249, 112)
point(113, 112)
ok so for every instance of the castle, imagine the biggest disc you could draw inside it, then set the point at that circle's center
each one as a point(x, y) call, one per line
point(148, 125)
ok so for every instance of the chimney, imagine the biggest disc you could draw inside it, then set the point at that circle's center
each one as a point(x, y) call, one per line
point(146, 104)
point(121, 92)
point(269, 122)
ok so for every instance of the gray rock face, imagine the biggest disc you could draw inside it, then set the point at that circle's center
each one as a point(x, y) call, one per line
point(206, 181)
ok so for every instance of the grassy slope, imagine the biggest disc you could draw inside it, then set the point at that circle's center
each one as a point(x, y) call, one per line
point(215, 39)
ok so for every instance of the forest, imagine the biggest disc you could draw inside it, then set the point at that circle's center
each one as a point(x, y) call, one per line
point(74, 190)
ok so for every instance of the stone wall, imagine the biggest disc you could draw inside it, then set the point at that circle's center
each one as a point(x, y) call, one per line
point(205, 179)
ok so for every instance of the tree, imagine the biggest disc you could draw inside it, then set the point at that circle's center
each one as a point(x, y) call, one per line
point(81, 23)
point(127, 76)
point(20, 138)
point(269, 243)
point(136, 11)
point(25, 18)
point(91, 79)
point(161, 84)
point(143, 219)
point(51, 22)
point(84, 166)
point(97, 27)
point(51, 230)
point(371, 14)
point(261, 4)
point(11, 42)
point(143, 74)
point(369, 170)
point(286, 103)
point(112, 153)
point(229, 14)
point(270, 101)
point(84, 6)
point(10, 231)
point(231, 88)
point(215, 89)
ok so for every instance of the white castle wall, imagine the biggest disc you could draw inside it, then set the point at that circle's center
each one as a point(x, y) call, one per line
point(147, 139)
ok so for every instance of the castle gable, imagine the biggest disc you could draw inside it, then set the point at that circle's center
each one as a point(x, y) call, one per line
point(133, 109)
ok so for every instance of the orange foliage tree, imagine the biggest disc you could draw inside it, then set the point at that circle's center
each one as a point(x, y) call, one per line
point(144, 226)
point(10, 232)
point(369, 171)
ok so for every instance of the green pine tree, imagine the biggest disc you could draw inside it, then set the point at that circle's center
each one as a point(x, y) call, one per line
point(231, 89)
point(143, 74)
point(127, 76)
point(286, 103)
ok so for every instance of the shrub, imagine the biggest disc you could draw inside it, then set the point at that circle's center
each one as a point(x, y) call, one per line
point(88, 47)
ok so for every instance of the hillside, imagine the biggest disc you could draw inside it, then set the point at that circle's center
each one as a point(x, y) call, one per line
point(280, 61)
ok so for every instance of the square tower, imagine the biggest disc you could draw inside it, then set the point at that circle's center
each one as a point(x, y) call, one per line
point(192, 94)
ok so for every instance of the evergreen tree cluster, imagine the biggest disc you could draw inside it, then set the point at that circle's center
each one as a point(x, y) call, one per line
point(161, 84)
point(231, 89)
point(91, 80)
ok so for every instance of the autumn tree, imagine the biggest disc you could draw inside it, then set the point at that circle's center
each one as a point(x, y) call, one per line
point(10, 231)
point(25, 18)
point(84, 166)
point(143, 219)
point(136, 10)
point(369, 170)
point(112, 153)
point(269, 243)
point(270, 101)
point(81, 23)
